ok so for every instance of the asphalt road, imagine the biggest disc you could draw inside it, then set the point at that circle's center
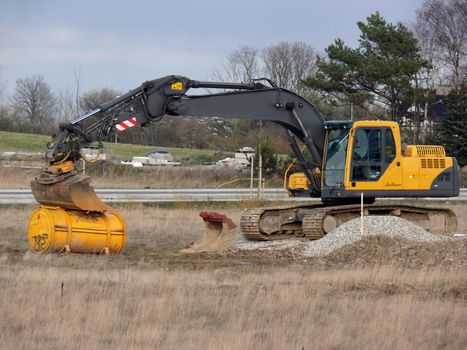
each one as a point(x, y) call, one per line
point(16, 196)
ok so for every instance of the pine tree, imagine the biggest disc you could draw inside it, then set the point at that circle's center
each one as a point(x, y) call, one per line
point(380, 70)
point(452, 129)
point(269, 157)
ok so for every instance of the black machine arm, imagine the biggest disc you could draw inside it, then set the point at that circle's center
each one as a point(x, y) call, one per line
point(168, 96)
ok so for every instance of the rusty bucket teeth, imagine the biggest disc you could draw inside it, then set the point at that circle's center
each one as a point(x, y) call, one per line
point(219, 234)
point(74, 192)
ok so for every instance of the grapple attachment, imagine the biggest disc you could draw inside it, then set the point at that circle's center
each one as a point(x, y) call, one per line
point(219, 234)
point(73, 192)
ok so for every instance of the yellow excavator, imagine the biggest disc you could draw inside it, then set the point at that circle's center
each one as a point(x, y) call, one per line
point(344, 159)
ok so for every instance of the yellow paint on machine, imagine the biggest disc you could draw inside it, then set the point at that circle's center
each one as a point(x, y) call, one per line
point(406, 172)
point(298, 181)
point(414, 169)
point(55, 230)
point(177, 86)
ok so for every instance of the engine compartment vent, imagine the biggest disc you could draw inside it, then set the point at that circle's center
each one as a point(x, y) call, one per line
point(433, 163)
point(425, 151)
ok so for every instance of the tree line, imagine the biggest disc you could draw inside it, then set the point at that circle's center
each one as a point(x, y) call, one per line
point(413, 75)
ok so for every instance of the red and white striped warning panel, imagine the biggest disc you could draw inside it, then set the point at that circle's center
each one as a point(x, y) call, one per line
point(125, 124)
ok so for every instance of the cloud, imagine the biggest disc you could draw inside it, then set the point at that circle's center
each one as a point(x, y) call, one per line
point(60, 36)
point(35, 55)
point(118, 45)
point(32, 36)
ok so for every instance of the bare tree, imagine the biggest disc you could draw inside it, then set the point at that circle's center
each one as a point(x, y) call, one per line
point(77, 74)
point(428, 77)
point(278, 61)
point(2, 86)
point(66, 106)
point(94, 98)
point(288, 63)
point(429, 52)
point(6, 122)
point(240, 66)
point(68, 103)
point(443, 24)
point(34, 101)
point(303, 63)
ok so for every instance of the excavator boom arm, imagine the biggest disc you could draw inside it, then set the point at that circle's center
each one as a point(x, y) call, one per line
point(168, 96)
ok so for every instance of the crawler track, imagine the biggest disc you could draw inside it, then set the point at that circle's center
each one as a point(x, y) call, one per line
point(252, 220)
point(314, 221)
point(249, 224)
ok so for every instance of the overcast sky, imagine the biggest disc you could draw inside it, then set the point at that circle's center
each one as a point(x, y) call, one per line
point(123, 43)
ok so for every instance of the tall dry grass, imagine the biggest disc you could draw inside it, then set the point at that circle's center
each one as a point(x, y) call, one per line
point(152, 297)
point(115, 176)
point(16, 177)
point(129, 308)
point(149, 229)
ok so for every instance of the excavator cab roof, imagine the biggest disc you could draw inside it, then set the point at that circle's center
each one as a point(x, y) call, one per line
point(338, 124)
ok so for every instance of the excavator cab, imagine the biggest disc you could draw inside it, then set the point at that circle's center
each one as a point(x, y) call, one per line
point(366, 157)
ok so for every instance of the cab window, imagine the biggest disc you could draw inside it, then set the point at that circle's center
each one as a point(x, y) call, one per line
point(366, 155)
point(334, 169)
point(373, 150)
point(389, 146)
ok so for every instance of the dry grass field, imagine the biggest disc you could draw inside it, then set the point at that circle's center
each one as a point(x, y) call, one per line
point(115, 176)
point(380, 293)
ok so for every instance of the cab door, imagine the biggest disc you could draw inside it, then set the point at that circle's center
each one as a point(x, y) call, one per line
point(392, 177)
point(373, 163)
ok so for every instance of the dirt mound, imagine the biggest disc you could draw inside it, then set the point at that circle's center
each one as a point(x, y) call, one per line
point(219, 234)
point(371, 251)
point(387, 241)
point(383, 250)
point(349, 232)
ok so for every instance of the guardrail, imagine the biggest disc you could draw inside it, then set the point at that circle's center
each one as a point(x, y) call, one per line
point(24, 196)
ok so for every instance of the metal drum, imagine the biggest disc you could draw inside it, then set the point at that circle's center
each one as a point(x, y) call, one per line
point(56, 230)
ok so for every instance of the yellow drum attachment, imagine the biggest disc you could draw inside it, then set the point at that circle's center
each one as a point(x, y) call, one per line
point(56, 230)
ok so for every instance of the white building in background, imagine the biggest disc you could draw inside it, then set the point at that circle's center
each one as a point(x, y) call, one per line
point(154, 158)
point(242, 158)
point(92, 153)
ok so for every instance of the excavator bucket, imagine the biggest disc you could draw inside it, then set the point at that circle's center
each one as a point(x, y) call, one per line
point(219, 235)
point(73, 192)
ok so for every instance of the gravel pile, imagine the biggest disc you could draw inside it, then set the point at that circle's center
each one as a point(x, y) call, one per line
point(349, 232)
point(243, 244)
